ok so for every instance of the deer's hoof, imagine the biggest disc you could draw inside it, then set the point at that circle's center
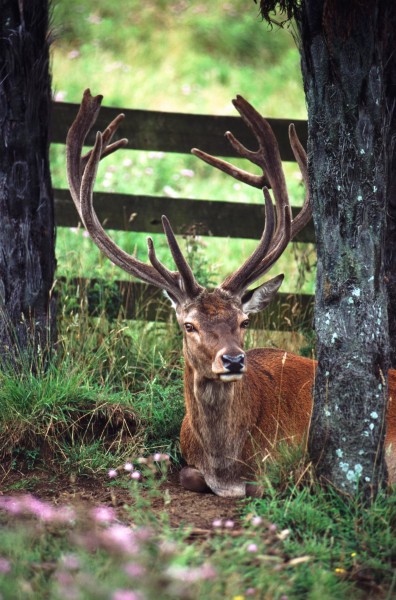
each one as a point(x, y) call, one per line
point(193, 480)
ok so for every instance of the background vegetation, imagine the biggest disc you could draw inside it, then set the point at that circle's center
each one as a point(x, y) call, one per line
point(182, 57)
point(114, 390)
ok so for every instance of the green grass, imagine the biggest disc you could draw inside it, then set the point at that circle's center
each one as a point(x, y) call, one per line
point(301, 542)
point(176, 56)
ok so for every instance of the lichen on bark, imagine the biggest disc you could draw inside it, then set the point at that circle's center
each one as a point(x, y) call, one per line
point(344, 85)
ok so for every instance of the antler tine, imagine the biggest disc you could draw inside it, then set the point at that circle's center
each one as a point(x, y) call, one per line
point(268, 158)
point(254, 121)
point(192, 287)
point(291, 228)
point(86, 117)
point(99, 236)
point(82, 174)
point(107, 136)
point(277, 250)
point(257, 181)
point(237, 280)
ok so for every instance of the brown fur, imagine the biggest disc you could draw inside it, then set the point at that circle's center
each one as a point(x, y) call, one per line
point(227, 424)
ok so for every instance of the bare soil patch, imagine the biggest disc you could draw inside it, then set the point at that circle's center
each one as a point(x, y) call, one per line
point(184, 508)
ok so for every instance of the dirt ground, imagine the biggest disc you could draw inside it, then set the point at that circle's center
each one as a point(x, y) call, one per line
point(184, 508)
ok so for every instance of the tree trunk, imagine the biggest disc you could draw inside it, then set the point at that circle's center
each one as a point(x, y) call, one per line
point(390, 244)
point(343, 78)
point(27, 234)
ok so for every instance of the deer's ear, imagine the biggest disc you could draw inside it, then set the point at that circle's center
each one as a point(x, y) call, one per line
point(255, 300)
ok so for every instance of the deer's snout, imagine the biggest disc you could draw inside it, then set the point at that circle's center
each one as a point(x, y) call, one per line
point(229, 364)
point(233, 364)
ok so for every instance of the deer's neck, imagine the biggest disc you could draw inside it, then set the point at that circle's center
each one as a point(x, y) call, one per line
point(219, 424)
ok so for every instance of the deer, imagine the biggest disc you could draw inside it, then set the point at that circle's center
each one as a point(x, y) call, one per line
point(238, 404)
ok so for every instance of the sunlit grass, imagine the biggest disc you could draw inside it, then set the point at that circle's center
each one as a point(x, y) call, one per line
point(176, 56)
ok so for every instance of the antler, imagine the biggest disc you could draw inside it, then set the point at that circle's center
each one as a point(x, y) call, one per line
point(81, 172)
point(275, 238)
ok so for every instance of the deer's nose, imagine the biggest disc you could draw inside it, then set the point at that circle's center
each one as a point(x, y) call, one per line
point(233, 364)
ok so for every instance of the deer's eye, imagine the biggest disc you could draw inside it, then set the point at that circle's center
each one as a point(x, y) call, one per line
point(189, 327)
point(245, 324)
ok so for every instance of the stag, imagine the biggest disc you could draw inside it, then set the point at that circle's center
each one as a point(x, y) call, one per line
point(238, 404)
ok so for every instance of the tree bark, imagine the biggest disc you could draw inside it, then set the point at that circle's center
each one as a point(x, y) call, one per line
point(27, 233)
point(390, 244)
point(342, 63)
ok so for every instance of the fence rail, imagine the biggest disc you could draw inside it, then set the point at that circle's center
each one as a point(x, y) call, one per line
point(175, 132)
point(179, 132)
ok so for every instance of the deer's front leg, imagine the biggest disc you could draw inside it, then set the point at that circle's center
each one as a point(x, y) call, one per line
point(193, 480)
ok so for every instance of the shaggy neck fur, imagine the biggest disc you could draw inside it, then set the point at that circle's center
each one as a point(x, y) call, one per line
point(215, 415)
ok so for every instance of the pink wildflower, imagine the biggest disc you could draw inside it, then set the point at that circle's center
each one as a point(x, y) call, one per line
point(187, 172)
point(121, 539)
point(207, 571)
point(5, 565)
point(134, 570)
point(252, 548)
point(159, 457)
point(112, 473)
point(70, 562)
point(136, 475)
point(128, 466)
point(126, 595)
point(41, 510)
point(103, 514)
point(12, 505)
point(229, 524)
point(73, 54)
point(250, 591)
point(257, 521)
point(217, 523)
point(191, 574)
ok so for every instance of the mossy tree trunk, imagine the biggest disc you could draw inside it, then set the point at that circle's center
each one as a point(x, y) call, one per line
point(390, 244)
point(348, 64)
point(27, 234)
point(343, 70)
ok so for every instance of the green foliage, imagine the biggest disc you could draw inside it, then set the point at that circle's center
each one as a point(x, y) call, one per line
point(198, 51)
point(342, 538)
point(300, 543)
point(161, 410)
point(111, 391)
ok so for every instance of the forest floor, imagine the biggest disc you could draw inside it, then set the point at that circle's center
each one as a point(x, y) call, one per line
point(184, 508)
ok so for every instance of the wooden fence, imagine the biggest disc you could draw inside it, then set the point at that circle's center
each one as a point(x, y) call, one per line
point(179, 132)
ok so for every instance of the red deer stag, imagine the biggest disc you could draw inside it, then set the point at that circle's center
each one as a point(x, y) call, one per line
point(238, 404)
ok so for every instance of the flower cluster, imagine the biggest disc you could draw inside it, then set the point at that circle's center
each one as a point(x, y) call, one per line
point(31, 506)
point(150, 462)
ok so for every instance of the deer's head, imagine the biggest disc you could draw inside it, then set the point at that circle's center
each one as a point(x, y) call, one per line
point(214, 322)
